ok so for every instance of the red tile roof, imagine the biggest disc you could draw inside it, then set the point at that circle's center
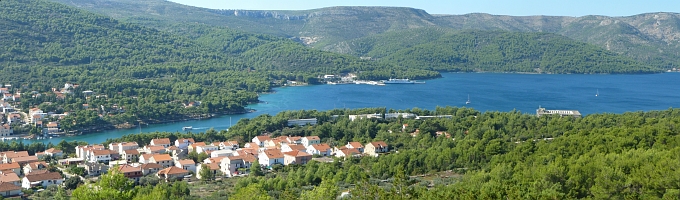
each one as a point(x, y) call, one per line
point(297, 147)
point(321, 147)
point(191, 140)
point(186, 162)
point(6, 187)
point(172, 170)
point(273, 153)
point(9, 166)
point(53, 151)
point(101, 152)
point(379, 144)
point(297, 153)
point(132, 151)
point(9, 177)
point(14, 154)
point(151, 166)
point(161, 157)
point(129, 168)
point(313, 138)
point(45, 176)
point(161, 141)
point(356, 144)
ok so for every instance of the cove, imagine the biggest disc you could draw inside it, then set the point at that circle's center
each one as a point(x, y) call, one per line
point(487, 91)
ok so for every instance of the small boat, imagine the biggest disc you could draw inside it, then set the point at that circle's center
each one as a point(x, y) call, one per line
point(598, 93)
point(187, 128)
point(468, 101)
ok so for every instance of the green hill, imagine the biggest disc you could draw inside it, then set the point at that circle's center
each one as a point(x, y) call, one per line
point(152, 74)
point(651, 38)
point(498, 51)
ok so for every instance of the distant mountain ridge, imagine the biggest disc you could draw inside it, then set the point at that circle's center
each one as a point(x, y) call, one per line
point(651, 38)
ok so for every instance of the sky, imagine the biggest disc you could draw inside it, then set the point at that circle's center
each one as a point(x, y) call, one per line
point(574, 8)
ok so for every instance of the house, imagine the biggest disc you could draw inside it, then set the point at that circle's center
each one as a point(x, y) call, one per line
point(192, 147)
point(165, 142)
point(273, 143)
point(230, 145)
point(43, 180)
point(222, 153)
point(294, 140)
point(95, 169)
point(259, 140)
point(55, 153)
point(152, 149)
point(40, 171)
point(186, 164)
point(374, 148)
point(10, 177)
point(121, 147)
point(270, 157)
point(213, 167)
point(25, 160)
point(150, 168)
point(13, 118)
point(319, 149)
point(296, 157)
point(355, 145)
point(251, 145)
point(175, 152)
point(293, 147)
point(310, 140)
point(14, 167)
point(7, 156)
point(172, 173)
point(51, 128)
point(131, 172)
point(347, 152)
point(6, 130)
point(102, 156)
point(183, 143)
point(83, 151)
point(8, 190)
point(38, 165)
point(130, 155)
point(144, 158)
point(70, 161)
point(162, 159)
point(231, 164)
point(205, 148)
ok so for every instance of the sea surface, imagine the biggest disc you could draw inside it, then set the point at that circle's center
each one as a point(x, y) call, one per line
point(487, 92)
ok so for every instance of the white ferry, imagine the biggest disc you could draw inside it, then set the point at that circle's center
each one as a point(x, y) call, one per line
point(398, 81)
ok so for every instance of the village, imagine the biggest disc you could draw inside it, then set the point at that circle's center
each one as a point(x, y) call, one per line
point(169, 160)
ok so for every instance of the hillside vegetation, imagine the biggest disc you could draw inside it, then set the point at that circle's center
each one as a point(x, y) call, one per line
point(651, 38)
point(496, 51)
point(490, 155)
point(147, 74)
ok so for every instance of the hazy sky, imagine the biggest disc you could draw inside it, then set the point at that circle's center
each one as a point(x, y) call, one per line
point(498, 7)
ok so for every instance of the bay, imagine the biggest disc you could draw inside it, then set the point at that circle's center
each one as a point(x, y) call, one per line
point(487, 91)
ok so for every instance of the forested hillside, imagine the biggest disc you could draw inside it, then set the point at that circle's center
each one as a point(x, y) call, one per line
point(472, 155)
point(143, 73)
point(650, 38)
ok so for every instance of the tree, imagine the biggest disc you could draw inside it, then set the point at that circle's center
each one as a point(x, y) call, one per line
point(327, 190)
point(256, 169)
point(252, 191)
point(73, 182)
point(113, 185)
point(61, 194)
point(206, 174)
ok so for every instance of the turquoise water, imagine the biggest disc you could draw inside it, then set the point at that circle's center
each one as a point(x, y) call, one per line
point(488, 92)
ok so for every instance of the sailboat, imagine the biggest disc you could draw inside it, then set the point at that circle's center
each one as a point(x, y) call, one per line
point(598, 92)
point(468, 101)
